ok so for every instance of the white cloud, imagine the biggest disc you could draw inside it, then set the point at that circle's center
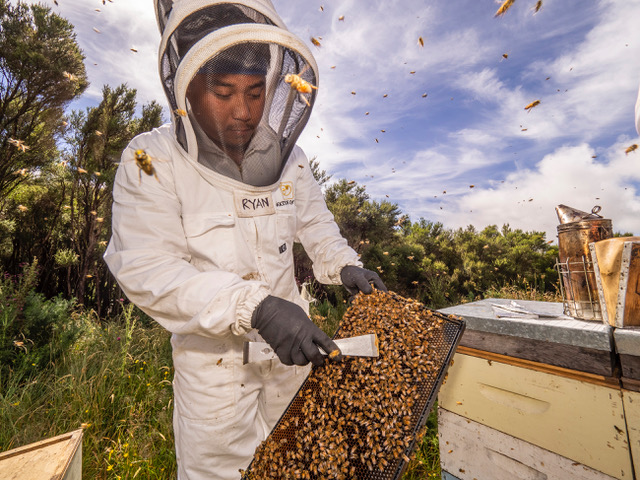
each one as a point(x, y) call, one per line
point(569, 176)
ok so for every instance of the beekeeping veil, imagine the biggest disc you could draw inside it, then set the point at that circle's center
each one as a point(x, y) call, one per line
point(210, 39)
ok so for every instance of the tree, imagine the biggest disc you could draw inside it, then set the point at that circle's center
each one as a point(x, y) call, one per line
point(96, 139)
point(41, 71)
point(62, 216)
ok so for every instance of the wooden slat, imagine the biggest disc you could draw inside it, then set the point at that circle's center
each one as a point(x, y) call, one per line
point(631, 384)
point(475, 451)
point(542, 367)
point(580, 420)
point(630, 366)
point(589, 360)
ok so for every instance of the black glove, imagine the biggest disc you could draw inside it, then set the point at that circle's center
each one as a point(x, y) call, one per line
point(291, 334)
point(356, 279)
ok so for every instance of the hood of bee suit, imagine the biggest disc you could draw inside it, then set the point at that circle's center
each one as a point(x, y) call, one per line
point(223, 48)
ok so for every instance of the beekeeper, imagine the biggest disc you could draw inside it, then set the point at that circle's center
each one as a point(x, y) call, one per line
point(204, 244)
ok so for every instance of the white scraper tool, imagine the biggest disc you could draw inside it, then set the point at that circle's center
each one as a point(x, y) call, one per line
point(360, 346)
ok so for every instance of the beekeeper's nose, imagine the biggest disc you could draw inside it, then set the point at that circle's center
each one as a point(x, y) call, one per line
point(241, 110)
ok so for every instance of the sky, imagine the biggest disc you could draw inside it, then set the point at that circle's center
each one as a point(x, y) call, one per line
point(440, 129)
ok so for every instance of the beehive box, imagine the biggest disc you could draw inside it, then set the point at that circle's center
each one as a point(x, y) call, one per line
point(57, 458)
point(580, 419)
point(470, 450)
point(554, 339)
point(631, 402)
point(360, 418)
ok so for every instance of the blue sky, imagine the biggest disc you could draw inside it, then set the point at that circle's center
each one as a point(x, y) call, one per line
point(580, 59)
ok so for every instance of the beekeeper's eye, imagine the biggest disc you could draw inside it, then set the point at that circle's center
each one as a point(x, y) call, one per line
point(256, 92)
point(223, 93)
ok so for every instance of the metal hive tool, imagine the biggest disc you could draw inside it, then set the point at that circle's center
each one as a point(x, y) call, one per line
point(361, 418)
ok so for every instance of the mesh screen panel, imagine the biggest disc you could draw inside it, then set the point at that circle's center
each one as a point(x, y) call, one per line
point(360, 418)
point(195, 27)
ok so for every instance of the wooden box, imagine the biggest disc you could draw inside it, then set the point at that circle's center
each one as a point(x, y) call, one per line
point(470, 450)
point(575, 416)
point(632, 411)
point(554, 338)
point(57, 458)
point(617, 272)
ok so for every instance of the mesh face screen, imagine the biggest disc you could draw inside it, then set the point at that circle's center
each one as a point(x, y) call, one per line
point(360, 418)
point(192, 29)
point(230, 97)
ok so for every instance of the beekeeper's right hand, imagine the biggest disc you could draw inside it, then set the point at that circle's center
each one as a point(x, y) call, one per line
point(292, 335)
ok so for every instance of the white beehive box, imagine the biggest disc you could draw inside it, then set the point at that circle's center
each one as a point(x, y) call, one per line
point(57, 458)
point(471, 450)
point(580, 420)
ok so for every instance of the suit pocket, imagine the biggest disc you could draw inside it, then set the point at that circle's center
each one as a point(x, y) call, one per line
point(211, 238)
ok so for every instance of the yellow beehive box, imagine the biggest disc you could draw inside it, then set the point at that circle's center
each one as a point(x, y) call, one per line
point(58, 458)
point(470, 450)
point(576, 419)
point(632, 411)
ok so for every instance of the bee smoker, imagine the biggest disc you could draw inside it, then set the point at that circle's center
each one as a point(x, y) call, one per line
point(578, 284)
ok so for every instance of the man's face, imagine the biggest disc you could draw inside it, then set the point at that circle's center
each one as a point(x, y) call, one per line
point(228, 107)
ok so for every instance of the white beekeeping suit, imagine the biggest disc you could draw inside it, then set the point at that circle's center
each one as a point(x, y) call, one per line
point(204, 244)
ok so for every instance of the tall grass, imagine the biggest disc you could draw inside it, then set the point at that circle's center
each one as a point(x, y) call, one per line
point(115, 382)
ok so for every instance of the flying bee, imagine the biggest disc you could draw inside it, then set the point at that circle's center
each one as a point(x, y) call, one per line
point(532, 104)
point(316, 41)
point(181, 112)
point(70, 76)
point(631, 149)
point(421, 41)
point(506, 5)
point(299, 84)
point(537, 7)
point(144, 163)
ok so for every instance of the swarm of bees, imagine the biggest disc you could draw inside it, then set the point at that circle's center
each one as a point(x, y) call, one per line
point(360, 418)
